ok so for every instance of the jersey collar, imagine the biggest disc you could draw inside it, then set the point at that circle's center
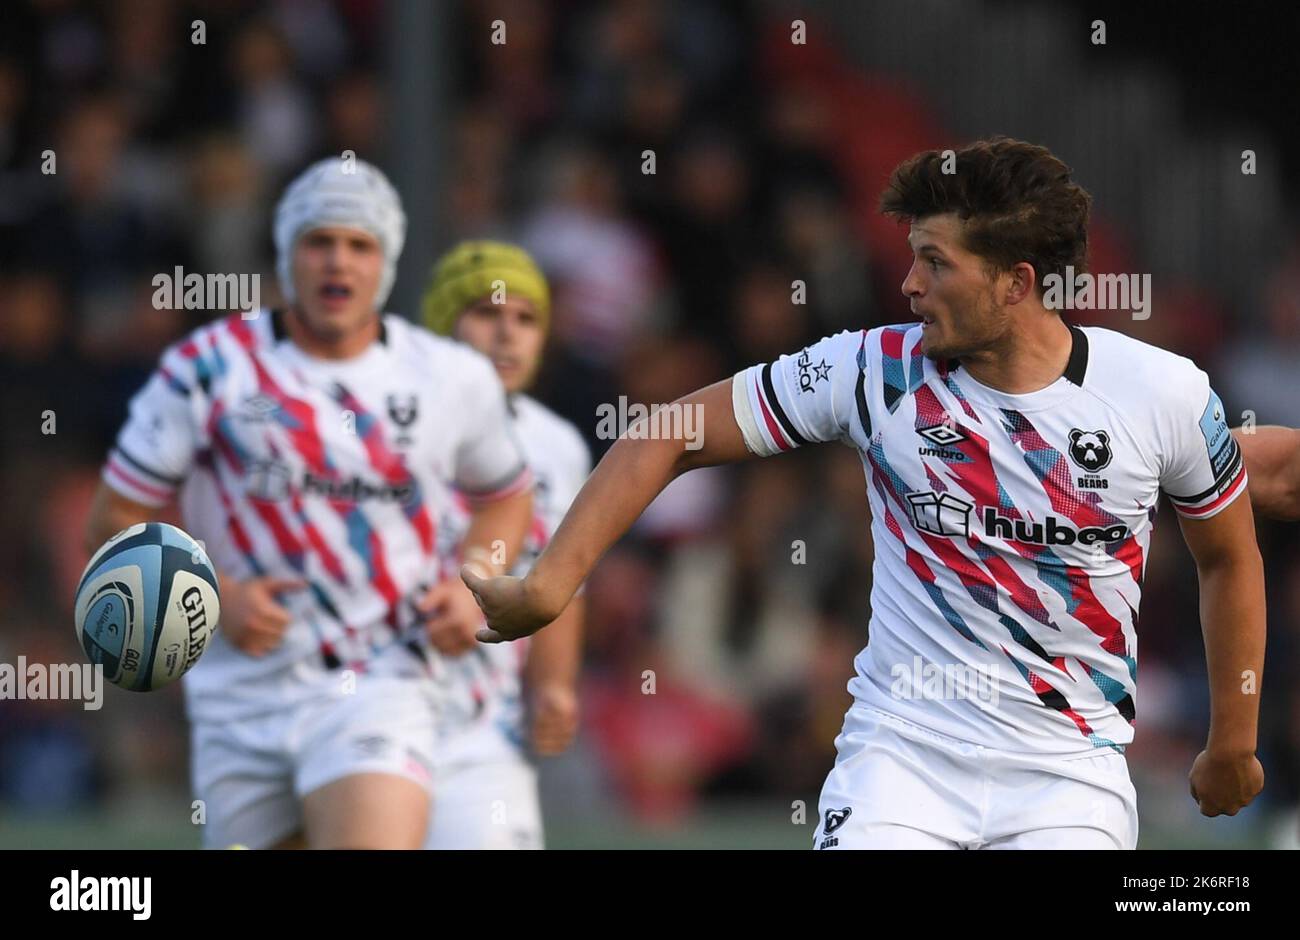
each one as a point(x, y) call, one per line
point(1058, 392)
point(1076, 367)
point(278, 332)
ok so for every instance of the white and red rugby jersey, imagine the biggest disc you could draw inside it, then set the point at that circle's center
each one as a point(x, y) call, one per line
point(1010, 531)
point(333, 471)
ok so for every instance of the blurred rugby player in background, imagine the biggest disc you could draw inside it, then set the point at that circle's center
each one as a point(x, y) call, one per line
point(310, 448)
point(506, 699)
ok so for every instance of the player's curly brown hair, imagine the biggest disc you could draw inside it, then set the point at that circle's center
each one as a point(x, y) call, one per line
point(1017, 201)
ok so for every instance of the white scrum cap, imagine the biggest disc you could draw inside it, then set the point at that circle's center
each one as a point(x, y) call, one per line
point(343, 192)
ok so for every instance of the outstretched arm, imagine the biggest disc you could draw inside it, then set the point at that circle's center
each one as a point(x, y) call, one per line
point(1273, 463)
point(634, 471)
point(1226, 775)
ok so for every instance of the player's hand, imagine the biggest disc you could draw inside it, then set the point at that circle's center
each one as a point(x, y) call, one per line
point(1223, 784)
point(510, 605)
point(252, 617)
point(553, 717)
point(451, 617)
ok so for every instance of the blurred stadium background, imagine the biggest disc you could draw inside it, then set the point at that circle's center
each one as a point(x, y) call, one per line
point(769, 155)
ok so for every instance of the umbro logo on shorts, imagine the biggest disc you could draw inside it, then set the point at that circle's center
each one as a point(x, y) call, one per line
point(373, 745)
point(835, 818)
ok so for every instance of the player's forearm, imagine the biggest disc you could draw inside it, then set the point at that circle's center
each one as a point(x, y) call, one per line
point(497, 530)
point(627, 479)
point(556, 652)
point(1233, 622)
point(1272, 456)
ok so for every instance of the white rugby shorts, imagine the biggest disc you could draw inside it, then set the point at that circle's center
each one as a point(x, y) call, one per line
point(485, 803)
point(896, 785)
point(252, 774)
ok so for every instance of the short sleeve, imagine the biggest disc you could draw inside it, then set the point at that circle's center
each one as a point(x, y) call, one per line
point(1203, 471)
point(801, 398)
point(489, 460)
point(154, 452)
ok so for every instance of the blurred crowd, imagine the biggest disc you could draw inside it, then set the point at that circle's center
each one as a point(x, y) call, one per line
point(701, 193)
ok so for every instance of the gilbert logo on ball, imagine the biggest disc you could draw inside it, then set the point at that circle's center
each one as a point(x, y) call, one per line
point(146, 606)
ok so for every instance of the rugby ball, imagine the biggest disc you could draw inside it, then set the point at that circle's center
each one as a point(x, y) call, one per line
point(146, 606)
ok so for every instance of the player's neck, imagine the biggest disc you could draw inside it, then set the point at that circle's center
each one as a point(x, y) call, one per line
point(1031, 358)
point(346, 346)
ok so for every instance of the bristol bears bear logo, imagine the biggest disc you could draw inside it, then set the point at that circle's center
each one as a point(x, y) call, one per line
point(403, 415)
point(1090, 449)
point(835, 818)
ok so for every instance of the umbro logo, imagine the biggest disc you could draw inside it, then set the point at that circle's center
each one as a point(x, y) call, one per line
point(941, 437)
point(941, 434)
point(372, 745)
point(258, 408)
point(835, 818)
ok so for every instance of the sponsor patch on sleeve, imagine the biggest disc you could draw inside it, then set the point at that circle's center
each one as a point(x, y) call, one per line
point(1218, 439)
point(1226, 466)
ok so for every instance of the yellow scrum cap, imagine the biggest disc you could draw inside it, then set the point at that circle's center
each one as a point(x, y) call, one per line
point(470, 272)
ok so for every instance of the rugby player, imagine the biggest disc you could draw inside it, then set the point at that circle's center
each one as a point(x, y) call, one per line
point(1014, 463)
point(311, 448)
